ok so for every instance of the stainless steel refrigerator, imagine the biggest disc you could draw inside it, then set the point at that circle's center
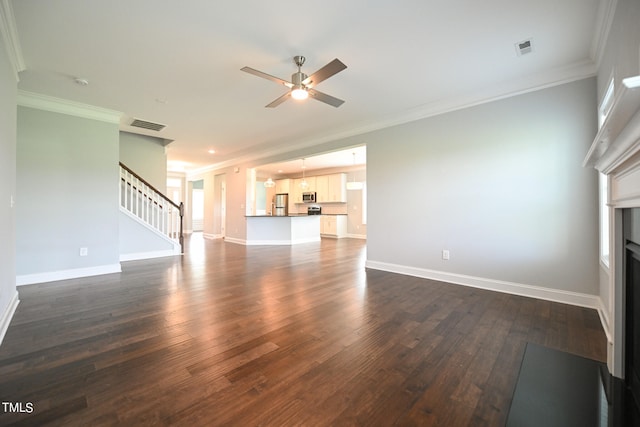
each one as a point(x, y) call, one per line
point(281, 204)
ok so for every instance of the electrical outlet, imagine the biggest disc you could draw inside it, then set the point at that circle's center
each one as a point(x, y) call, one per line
point(84, 251)
point(445, 254)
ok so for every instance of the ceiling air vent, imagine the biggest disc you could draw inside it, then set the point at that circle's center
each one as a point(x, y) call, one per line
point(524, 47)
point(147, 125)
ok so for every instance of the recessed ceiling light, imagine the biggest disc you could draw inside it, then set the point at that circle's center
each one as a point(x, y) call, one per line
point(212, 151)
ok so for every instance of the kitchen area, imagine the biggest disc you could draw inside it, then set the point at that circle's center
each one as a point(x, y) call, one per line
point(310, 199)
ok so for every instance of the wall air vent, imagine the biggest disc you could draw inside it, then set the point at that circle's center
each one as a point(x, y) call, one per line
point(524, 47)
point(147, 125)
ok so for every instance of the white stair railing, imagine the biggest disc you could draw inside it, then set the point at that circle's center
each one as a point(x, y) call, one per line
point(142, 200)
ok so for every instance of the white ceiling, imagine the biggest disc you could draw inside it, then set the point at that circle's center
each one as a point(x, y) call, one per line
point(344, 159)
point(178, 63)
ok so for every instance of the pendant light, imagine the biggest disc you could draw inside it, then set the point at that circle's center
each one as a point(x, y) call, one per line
point(304, 184)
point(354, 185)
point(269, 183)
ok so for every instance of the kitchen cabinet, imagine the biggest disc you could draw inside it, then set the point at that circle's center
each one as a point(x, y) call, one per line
point(282, 230)
point(296, 191)
point(332, 188)
point(311, 180)
point(328, 188)
point(322, 188)
point(337, 188)
point(283, 186)
point(333, 226)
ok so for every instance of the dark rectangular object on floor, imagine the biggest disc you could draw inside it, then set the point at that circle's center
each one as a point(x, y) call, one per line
point(555, 388)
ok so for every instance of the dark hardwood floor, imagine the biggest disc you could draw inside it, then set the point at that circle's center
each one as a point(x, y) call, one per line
point(303, 335)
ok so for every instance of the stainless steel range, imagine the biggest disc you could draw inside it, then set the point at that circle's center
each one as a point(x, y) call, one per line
point(314, 210)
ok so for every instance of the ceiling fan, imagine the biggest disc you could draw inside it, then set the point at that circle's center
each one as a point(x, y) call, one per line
point(302, 85)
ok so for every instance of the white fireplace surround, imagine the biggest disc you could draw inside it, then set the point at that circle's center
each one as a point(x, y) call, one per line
point(616, 152)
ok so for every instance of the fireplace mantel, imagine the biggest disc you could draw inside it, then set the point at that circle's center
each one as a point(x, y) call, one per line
point(619, 136)
point(615, 152)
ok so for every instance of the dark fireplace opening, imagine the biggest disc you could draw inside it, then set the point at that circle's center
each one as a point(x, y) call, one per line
point(631, 229)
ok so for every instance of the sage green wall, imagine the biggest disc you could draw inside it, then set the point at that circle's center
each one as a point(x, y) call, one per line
point(67, 184)
point(8, 96)
point(500, 185)
point(146, 156)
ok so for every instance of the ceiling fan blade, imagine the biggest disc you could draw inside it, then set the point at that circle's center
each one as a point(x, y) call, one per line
point(266, 76)
point(279, 100)
point(333, 67)
point(327, 99)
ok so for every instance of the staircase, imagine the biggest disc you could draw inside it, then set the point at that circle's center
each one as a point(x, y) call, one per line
point(146, 204)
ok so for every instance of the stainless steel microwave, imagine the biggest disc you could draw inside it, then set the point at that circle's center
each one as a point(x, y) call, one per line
point(309, 197)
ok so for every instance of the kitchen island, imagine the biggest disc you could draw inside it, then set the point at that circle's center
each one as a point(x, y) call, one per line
point(282, 230)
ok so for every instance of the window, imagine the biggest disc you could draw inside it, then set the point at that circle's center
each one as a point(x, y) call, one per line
point(603, 180)
point(604, 219)
point(606, 104)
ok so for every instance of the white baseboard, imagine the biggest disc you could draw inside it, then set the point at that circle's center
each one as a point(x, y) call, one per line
point(52, 276)
point(149, 255)
point(228, 239)
point(6, 317)
point(357, 236)
point(555, 295)
point(604, 320)
point(211, 236)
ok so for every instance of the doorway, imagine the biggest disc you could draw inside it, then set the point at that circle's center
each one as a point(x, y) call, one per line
point(197, 206)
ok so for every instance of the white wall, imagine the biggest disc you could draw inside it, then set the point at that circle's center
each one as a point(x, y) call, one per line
point(67, 186)
point(136, 241)
point(146, 156)
point(8, 96)
point(501, 186)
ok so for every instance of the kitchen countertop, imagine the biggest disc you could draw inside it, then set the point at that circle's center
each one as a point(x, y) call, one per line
point(294, 215)
point(277, 216)
point(288, 230)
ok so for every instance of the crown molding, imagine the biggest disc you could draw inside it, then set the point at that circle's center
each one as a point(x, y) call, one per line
point(604, 20)
point(520, 86)
point(9, 33)
point(64, 106)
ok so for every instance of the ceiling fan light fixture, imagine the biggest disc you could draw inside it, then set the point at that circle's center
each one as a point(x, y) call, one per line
point(299, 93)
